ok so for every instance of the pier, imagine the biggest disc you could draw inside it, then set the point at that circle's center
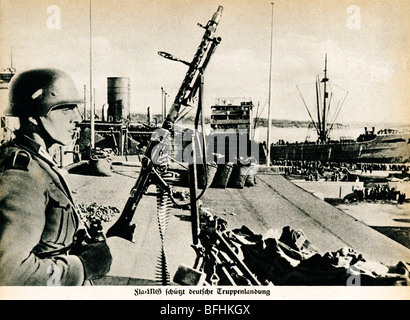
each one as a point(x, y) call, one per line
point(266, 208)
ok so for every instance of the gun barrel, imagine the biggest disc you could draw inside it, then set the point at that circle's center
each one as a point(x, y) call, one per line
point(217, 15)
point(189, 84)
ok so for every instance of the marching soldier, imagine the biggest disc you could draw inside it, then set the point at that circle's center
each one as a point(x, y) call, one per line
point(39, 223)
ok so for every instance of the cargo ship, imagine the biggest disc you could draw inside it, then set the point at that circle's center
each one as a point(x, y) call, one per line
point(382, 146)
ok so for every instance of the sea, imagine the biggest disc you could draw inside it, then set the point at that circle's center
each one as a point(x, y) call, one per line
point(301, 134)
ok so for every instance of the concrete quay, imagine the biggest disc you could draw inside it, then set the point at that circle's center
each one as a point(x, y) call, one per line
point(266, 208)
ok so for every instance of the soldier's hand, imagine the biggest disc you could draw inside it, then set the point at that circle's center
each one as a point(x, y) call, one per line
point(96, 258)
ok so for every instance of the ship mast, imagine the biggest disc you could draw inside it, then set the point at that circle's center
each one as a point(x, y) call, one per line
point(325, 96)
point(323, 107)
point(319, 125)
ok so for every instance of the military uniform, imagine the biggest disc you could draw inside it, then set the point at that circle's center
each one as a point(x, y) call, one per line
point(38, 219)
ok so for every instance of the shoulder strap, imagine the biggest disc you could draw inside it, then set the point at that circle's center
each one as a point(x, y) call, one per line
point(19, 160)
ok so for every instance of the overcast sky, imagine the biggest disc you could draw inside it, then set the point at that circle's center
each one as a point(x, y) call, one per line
point(367, 47)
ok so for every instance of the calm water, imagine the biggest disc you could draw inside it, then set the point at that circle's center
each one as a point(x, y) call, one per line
point(301, 134)
point(294, 134)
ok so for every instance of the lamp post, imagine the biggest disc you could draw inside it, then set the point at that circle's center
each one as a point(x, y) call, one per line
point(268, 139)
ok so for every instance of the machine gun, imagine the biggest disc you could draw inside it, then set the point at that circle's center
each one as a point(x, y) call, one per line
point(217, 260)
point(152, 160)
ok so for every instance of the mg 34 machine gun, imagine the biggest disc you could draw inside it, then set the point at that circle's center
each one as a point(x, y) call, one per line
point(215, 248)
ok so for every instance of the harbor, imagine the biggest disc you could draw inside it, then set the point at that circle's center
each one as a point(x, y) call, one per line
point(266, 208)
point(201, 183)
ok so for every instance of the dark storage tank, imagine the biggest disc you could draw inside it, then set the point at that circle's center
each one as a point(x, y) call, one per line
point(118, 92)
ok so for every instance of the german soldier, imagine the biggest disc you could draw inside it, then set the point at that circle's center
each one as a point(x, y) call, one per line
point(39, 222)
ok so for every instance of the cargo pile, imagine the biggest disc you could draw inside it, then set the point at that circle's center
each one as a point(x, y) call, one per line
point(228, 175)
point(97, 212)
point(239, 256)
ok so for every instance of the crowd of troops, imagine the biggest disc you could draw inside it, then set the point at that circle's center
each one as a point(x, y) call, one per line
point(340, 171)
point(378, 192)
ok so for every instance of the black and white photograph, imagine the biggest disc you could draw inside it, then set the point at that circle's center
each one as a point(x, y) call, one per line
point(204, 150)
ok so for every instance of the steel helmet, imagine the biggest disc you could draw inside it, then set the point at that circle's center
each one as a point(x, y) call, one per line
point(35, 92)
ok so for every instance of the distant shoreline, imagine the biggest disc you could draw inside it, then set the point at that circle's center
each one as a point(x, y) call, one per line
point(281, 123)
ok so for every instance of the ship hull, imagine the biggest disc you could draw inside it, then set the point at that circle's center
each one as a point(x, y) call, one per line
point(382, 149)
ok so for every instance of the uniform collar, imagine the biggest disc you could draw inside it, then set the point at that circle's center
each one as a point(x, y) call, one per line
point(42, 152)
point(33, 147)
